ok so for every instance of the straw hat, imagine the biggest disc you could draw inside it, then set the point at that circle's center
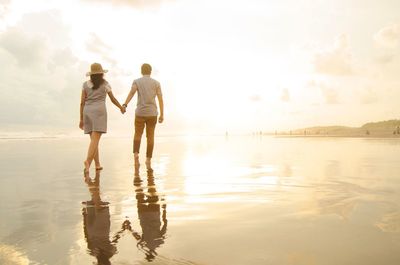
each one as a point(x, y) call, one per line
point(96, 68)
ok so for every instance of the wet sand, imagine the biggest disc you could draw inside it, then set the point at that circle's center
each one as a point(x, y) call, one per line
point(209, 200)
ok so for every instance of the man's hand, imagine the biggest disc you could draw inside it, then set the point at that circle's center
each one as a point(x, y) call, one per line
point(81, 124)
point(161, 119)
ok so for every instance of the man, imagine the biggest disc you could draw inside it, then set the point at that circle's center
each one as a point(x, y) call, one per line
point(146, 111)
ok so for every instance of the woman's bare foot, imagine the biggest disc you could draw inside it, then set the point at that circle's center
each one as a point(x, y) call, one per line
point(87, 179)
point(86, 167)
point(98, 167)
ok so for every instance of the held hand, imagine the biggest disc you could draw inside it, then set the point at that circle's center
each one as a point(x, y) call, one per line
point(161, 119)
point(123, 109)
point(81, 124)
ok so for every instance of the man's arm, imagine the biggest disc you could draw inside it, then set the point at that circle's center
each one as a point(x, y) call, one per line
point(161, 104)
point(130, 95)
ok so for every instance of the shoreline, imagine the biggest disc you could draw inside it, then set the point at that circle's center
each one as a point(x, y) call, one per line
point(382, 136)
point(337, 136)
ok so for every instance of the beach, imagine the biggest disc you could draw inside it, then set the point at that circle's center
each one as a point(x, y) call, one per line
point(209, 200)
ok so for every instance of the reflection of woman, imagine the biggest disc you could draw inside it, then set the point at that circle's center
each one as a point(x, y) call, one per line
point(93, 113)
point(96, 224)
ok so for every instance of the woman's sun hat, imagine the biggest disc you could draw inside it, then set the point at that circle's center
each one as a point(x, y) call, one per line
point(96, 68)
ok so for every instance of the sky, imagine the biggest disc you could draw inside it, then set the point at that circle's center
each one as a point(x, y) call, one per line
point(223, 65)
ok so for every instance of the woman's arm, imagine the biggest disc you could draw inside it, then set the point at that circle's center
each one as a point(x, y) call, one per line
point(115, 102)
point(83, 99)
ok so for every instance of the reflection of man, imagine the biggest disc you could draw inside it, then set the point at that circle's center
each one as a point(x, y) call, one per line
point(148, 206)
point(96, 224)
point(153, 230)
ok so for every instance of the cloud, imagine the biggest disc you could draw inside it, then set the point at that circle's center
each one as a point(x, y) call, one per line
point(40, 79)
point(62, 58)
point(4, 6)
point(255, 98)
point(285, 96)
point(388, 37)
point(96, 45)
point(33, 36)
point(335, 60)
point(385, 58)
point(131, 3)
point(329, 94)
point(368, 96)
point(311, 83)
point(26, 50)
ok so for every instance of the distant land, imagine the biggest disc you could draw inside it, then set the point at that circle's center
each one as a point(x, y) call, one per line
point(389, 128)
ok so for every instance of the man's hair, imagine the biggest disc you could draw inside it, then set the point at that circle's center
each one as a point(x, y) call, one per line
point(146, 69)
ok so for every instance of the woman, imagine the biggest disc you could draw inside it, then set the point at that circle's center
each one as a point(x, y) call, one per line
point(93, 113)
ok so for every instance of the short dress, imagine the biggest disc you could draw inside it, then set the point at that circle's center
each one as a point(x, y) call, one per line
point(94, 111)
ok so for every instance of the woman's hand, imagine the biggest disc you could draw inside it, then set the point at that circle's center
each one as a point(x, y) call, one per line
point(161, 119)
point(81, 124)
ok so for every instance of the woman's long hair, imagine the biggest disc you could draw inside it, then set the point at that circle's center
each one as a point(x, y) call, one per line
point(97, 80)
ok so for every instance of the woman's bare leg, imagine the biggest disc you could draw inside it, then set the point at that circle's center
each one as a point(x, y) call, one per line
point(97, 160)
point(93, 148)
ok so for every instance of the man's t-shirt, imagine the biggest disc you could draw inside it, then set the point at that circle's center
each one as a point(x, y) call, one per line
point(147, 89)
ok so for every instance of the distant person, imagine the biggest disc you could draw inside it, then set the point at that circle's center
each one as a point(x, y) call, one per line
point(93, 113)
point(146, 112)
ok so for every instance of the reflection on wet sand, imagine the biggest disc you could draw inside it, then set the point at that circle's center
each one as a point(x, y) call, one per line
point(96, 224)
point(341, 198)
point(152, 215)
point(229, 202)
point(11, 255)
point(338, 197)
point(152, 221)
point(390, 222)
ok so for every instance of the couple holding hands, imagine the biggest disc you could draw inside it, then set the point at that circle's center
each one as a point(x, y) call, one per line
point(93, 112)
